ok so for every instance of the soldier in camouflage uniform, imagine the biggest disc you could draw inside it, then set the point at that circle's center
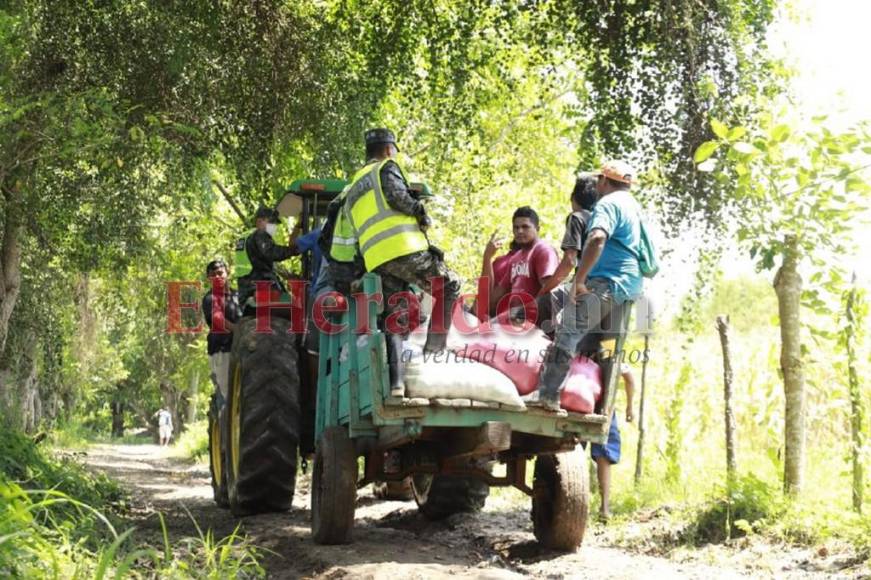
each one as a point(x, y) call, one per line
point(389, 224)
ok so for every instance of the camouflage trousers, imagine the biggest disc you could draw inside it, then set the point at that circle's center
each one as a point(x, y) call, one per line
point(420, 269)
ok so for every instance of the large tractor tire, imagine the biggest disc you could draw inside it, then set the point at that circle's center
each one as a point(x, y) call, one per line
point(561, 500)
point(334, 487)
point(216, 454)
point(262, 418)
point(440, 496)
point(393, 490)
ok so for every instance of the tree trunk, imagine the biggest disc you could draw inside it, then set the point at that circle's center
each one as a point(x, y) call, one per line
point(857, 410)
point(788, 286)
point(10, 261)
point(192, 395)
point(639, 453)
point(117, 419)
point(731, 463)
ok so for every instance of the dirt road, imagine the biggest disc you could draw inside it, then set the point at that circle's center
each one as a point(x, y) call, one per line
point(393, 541)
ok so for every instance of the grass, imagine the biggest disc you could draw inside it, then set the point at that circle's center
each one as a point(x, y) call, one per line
point(59, 521)
point(695, 491)
point(194, 442)
point(74, 436)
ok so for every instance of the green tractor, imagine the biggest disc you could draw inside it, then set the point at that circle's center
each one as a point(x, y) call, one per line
point(267, 421)
point(443, 453)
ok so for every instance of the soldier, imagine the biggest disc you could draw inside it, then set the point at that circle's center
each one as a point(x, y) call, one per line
point(389, 227)
point(262, 252)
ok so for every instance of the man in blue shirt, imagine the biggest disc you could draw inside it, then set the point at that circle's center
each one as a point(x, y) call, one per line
point(309, 243)
point(608, 278)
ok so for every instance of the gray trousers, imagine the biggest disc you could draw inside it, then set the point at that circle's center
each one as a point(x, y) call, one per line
point(594, 313)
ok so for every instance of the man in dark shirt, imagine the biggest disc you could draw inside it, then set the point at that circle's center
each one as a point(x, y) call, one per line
point(263, 252)
point(221, 311)
point(583, 199)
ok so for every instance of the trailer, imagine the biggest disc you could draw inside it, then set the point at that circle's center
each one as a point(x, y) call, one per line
point(451, 451)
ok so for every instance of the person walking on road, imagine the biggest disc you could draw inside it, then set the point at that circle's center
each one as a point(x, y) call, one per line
point(164, 426)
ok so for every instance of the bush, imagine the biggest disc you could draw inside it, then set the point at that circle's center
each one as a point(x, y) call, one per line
point(25, 464)
point(194, 442)
point(751, 504)
point(49, 529)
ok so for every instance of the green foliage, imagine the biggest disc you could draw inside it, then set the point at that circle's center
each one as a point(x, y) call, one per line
point(22, 462)
point(36, 547)
point(674, 447)
point(749, 506)
point(54, 524)
point(194, 442)
point(792, 182)
point(748, 301)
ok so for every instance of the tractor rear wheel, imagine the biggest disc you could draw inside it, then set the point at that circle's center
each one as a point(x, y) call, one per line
point(334, 487)
point(262, 418)
point(440, 496)
point(561, 499)
point(216, 455)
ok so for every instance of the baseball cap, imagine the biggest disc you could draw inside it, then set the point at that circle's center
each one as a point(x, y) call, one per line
point(618, 171)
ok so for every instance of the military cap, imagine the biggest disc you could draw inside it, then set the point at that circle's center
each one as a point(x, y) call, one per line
point(379, 136)
point(266, 213)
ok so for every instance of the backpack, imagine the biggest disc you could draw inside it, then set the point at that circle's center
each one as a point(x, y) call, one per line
point(646, 254)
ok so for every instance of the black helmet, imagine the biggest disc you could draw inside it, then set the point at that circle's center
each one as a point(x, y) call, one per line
point(214, 265)
point(380, 136)
point(266, 213)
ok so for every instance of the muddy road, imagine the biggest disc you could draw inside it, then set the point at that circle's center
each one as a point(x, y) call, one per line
point(393, 541)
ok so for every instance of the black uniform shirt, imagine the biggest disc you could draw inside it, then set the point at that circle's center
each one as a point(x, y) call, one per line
point(396, 191)
point(263, 252)
point(232, 312)
point(576, 232)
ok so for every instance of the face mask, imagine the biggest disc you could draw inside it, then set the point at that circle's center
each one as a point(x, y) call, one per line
point(270, 229)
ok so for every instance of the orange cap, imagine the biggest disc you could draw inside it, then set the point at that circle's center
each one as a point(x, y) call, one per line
point(618, 171)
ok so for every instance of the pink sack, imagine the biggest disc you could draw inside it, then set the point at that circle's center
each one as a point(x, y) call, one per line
point(582, 387)
point(519, 365)
point(517, 354)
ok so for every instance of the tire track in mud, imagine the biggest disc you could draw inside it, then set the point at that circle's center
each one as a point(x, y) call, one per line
point(391, 540)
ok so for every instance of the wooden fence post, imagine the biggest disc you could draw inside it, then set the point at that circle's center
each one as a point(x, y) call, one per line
point(731, 462)
point(644, 324)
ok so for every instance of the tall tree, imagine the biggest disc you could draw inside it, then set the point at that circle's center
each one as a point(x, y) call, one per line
point(795, 192)
point(855, 310)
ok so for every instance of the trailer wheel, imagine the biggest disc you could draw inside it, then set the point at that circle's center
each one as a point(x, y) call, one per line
point(262, 418)
point(334, 487)
point(440, 496)
point(394, 490)
point(216, 456)
point(561, 499)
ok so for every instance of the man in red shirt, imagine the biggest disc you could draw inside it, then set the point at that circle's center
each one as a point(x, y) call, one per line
point(526, 269)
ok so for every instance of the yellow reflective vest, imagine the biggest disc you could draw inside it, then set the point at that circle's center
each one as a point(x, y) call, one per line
point(383, 234)
point(343, 246)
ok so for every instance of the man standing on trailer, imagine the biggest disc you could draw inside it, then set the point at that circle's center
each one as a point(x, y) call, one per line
point(608, 277)
point(389, 226)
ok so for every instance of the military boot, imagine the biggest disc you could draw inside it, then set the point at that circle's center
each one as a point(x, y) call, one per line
point(395, 368)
